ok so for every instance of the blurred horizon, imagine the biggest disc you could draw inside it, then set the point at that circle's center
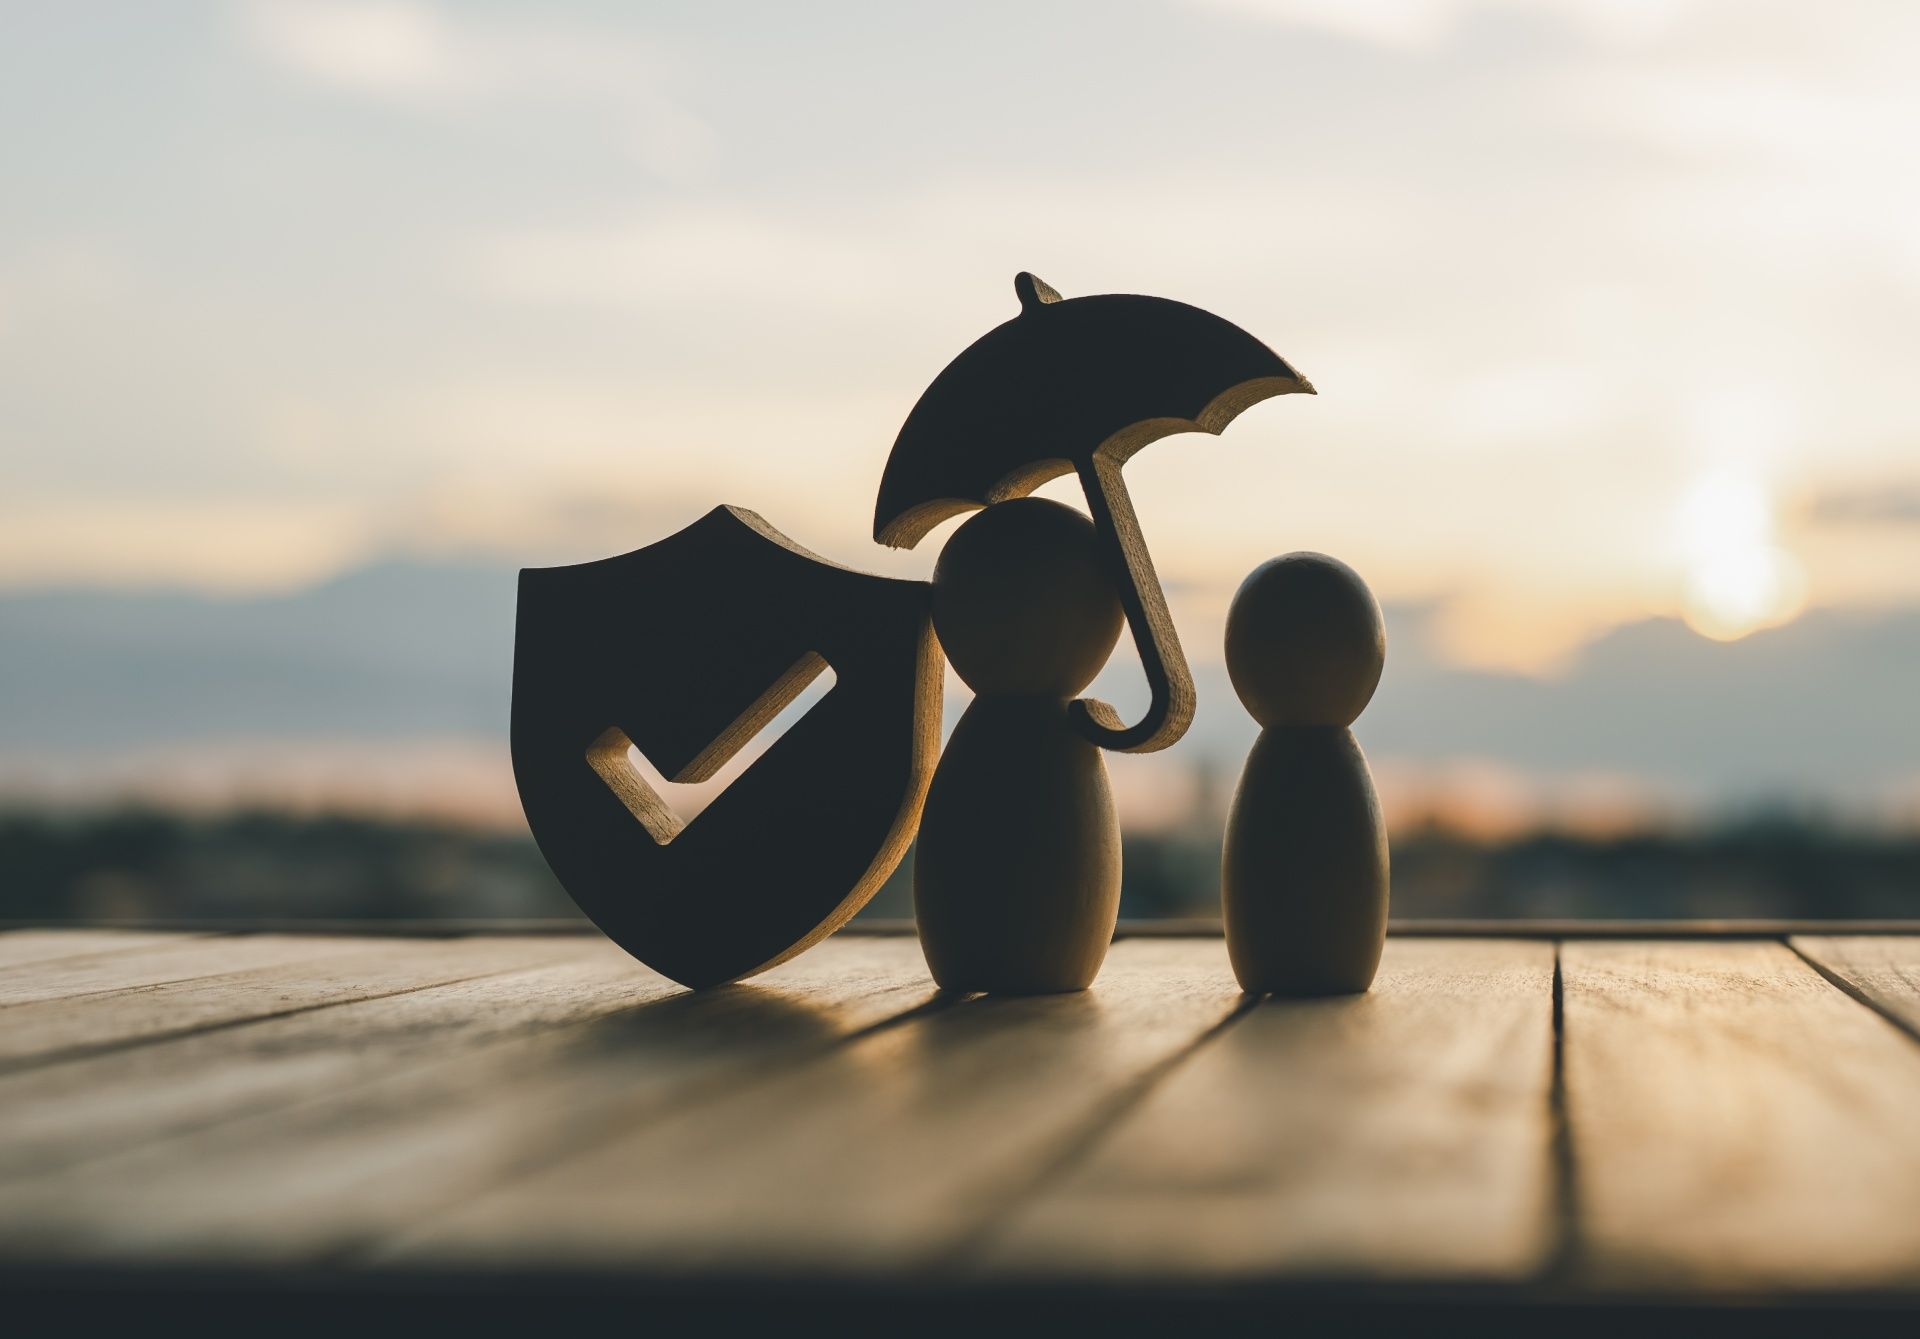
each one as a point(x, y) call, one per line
point(386, 691)
point(319, 319)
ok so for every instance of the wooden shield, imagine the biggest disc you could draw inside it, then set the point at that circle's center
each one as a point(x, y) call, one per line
point(686, 649)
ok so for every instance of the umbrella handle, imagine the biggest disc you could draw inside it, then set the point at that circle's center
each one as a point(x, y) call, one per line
point(1170, 711)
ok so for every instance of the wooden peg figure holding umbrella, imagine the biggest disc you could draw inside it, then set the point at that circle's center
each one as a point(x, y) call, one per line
point(1017, 876)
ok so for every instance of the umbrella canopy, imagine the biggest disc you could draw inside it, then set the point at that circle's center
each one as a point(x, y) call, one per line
point(1078, 386)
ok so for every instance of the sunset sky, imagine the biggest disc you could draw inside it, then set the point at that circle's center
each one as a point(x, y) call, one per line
point(1610, 303)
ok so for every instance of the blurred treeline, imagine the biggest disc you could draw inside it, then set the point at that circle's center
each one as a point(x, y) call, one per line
point(150, 864)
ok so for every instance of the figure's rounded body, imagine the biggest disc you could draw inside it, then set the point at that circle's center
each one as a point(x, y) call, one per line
point(1017, 874)
point(1304, 872)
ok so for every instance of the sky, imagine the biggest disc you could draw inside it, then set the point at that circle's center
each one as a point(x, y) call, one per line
point(1609, 303)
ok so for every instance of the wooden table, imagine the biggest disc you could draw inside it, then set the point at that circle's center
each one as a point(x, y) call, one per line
point(1506, 1132)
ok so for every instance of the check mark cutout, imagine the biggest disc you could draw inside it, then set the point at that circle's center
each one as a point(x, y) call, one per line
point(666, 806)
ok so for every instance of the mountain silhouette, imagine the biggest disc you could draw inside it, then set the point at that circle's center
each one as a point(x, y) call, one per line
point(406, 649)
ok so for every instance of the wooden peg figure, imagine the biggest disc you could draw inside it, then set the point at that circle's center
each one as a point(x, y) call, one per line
point(1304, 872)
point(1016, 879)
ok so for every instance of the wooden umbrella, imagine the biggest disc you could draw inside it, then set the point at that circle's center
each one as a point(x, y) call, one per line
point(1078, 385)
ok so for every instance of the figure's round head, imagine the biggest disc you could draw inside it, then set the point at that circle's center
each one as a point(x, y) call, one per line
point(1305, 643)
point(1022, 602)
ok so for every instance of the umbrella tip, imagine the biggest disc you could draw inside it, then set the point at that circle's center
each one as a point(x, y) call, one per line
point(1033, 291)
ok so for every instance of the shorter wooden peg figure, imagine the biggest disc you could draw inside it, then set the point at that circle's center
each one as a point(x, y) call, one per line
point(1016, 879)
point(1304, 874)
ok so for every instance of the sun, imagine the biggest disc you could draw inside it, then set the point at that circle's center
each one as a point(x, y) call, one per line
point(1738, 580)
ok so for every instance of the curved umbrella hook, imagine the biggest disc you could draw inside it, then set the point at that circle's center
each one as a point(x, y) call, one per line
point(1170, 682)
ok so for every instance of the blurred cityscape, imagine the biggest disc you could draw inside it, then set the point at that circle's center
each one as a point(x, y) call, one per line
point(150, 864)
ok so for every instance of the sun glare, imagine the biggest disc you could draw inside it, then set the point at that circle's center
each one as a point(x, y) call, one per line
point(1738, 579)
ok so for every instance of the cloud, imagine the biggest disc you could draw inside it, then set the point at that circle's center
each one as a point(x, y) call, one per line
point(1510, 271)
point(1437, 381)
point(393, 49)
point(689, 256)
point(419, 55)
point(1791, 127)
point(56, 279)
point(221, 544)
point(1890, 504)
point(883, 250)
point(1416, 24)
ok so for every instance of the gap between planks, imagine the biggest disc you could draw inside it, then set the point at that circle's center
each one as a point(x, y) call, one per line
point(37, 946)
point(1604, 1039)
point(1077, 1147)
point(60, 1115)
point(1738, 1123)
point(1399, 1134)
point(1880, 971)
point(297, 1181)
point(877, 1158)
point(1559, 1262)
point(954, 1149)
point(221, 983)
point(493, 1155)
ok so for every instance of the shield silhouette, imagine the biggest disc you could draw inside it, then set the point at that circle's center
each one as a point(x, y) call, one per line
point(685, 649)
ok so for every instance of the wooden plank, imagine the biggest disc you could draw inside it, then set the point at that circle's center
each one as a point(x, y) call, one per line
point(296, 1184)
point(60, 1115)
point(233, 980)
point(1405, 1133)
point(1736, 1122)
point(171, 958)
point(1158, 927)
point(1532, 927)
point(1884, 971)
point(386, 927)
point(28, 948)
point(885, 1155)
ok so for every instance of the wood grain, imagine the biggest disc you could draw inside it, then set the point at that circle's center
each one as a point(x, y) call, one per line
point(1883, 970)
point(882, 1156)
point(218, 982)
point(1400, 1134)
point(30, 947)
point(1736, 1122)
point(57, 1116)
point(169, 959)
point(346, 1168)
point(1736, 1125)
